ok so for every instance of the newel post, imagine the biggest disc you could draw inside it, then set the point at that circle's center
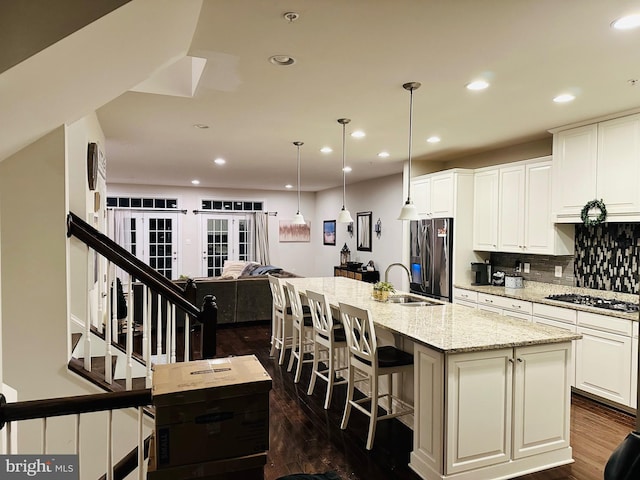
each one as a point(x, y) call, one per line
point(209, 319)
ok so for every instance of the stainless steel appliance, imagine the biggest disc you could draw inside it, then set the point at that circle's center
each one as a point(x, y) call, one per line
point(588, 300)
point(431, 257)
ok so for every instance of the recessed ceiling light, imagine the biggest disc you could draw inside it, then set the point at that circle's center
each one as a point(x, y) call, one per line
point(383, 154)
point(564, 98)
point(288, 186)
point(282, 60)
point(326, 149)
point(477, 85)
point(201, 126)
point(347, 169)
point(195, 182)
point(627, 23)
point(358, 134)
point(219, 161)
point(433, 139)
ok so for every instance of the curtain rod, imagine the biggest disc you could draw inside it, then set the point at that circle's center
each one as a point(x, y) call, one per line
point(196, 212)
point(160, 210)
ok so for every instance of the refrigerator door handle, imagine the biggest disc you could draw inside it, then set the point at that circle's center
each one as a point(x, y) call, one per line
point(425, 256)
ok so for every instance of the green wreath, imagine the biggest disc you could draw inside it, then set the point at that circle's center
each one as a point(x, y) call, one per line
point(589, 221)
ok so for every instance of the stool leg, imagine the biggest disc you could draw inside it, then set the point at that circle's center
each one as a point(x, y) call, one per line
point(347, 406)
point(294, 346)
point(275, 333)
point(330, 378)
point(283, 343)
point(373, 420)
point(302, 337)
point(314, 368)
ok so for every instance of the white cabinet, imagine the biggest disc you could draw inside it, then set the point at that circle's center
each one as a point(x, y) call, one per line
point(603, 357)
point(509, 307)
point(485, 210)
point(521, 220)
point(511, 209)
point(564, 318)
point(468, 298)
point(634, 366)
point(433, 194)
point(509, 404)
point(598, 161)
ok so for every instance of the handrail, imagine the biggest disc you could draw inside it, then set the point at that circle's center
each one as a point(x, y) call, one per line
point(128, 262)
point(56, 407)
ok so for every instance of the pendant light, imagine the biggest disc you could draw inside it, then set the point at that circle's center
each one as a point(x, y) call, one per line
point(344, 216)
point(298, 219)
point(409, 211)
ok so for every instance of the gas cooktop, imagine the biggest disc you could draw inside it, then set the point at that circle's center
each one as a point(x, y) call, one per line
point(589, 301)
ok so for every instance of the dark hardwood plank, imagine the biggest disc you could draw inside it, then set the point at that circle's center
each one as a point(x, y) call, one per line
point(306, 438)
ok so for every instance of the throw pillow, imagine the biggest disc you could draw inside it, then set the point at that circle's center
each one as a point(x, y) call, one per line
point(232, 268)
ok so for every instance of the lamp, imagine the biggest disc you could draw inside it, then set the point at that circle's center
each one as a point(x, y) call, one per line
point(409, 211)
point(298, 219)
point(344, 216)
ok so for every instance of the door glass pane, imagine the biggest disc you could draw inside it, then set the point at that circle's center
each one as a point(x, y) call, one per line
point(160, 248)
point(217, 234)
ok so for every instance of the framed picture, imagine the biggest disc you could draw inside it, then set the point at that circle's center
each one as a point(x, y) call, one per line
point(288, 232)
point(363, 233)
point(329, 232)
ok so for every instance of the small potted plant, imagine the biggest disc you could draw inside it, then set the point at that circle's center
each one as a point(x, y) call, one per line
point(381, 291)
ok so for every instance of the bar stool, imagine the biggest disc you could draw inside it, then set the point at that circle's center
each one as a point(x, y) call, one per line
point(329, 342)
point(302, 342)
point(368, 358)
point(281, 338)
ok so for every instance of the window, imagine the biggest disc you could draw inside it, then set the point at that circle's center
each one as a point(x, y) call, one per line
point(226, 237)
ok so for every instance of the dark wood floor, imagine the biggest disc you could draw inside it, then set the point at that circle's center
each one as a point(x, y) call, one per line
point(305, 438)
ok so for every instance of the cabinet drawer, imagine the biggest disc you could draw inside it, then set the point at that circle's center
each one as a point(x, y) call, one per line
point(466, 295)
point(505, 303)
point(465, 303)
point(560, 314)
point(605, 323)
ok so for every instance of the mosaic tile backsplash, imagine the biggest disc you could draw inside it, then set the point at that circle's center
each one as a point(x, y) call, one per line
point(606, 258)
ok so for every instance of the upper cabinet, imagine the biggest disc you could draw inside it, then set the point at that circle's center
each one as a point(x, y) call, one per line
point(434, 194)
point(600, 161)
point(512, 210)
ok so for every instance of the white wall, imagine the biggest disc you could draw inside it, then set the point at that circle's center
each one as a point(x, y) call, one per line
point(383, 197)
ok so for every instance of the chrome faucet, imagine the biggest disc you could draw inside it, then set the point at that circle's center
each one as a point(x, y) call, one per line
point(386, 272)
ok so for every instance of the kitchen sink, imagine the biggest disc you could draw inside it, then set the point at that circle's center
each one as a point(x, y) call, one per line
point(410, 301)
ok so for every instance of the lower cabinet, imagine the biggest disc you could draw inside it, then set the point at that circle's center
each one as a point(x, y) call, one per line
point(510, 404)
point(603, 357)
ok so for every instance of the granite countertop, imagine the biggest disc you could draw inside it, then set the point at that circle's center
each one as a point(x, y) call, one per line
point(538, 291)
point(442, 326)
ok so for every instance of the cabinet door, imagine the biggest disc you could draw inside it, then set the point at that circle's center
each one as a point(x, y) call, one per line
point(542, 399)
point(485, 210)
point(479, 403)
point(538, 225)
point(511, 210)
point(634, 367)
point(603, 365)
point(422, 196)
point(563, 326)
point(618, 169)
point(442, 195)
point(574, 170)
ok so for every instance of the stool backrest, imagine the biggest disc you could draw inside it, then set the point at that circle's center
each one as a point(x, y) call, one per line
point(295, 302)
point(360, 332)
point(320, 313)
point(277, 292)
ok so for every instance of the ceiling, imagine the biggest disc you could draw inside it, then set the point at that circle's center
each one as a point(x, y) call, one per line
point(352, 58)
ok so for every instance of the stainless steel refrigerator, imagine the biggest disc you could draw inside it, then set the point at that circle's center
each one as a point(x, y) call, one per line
point(431, 256)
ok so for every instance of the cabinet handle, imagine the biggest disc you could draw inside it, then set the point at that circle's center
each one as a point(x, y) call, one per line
point(464, 295)
point(520, 360)
point(511, 360)
point(488, 300)
point(516, 306)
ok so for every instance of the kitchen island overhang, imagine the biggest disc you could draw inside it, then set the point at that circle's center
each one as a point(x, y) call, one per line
point(491, 393)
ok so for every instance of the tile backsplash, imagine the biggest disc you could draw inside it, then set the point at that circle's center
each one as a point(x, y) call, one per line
point(606, 258)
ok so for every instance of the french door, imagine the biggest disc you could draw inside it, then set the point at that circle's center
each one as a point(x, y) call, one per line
point(226, 237)
point(153, 239)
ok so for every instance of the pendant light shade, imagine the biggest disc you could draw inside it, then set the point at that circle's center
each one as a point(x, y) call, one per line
point(298, 219)
point(344, 216)
point(409, 211)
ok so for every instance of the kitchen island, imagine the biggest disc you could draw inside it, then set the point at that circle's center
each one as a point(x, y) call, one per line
point(491, 393)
